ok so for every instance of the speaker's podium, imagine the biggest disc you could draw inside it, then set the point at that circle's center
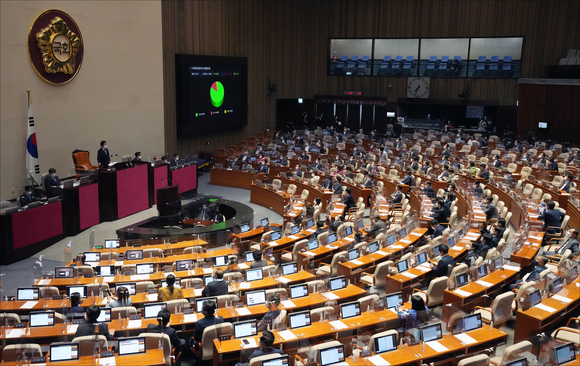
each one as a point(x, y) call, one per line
point(123, 190)
point(168, 205)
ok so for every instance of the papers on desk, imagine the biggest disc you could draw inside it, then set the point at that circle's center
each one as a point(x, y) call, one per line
point(283, 279)
point(348, 239)
point(338, 325)
point(151, 297)
point(294, 237)
point(438, 347)
point(545, 308)
point(456, 247)
point(408, 274)
point(380, 252)
point(532, 244)
point(92, 264)
point(134, 323)
point(243, 311)
point(378, 361)
point(423, 268)
point(119, 263)
point(245, 285)
point(416, 234)
point(107, 361)
point(273, 243)
point(406, 241)
point(287, 335)
point(356, 261)
point(207, 270)
point(109, 279)
point(331, 247)
point(511, 268)
point(43, 282)
point(72, 328)
point(28, 305)
point(561, 298)
point(396, 246)
point(288, 304)
point(251, 343)
point(483, 283)
point(16, 333)
point(189, 318)
point(462, 293)
point(534, 237)
point(243, 266)
point(465, 339)
point(197, 291)
point(330, 296)
point(104, 301)
point(141, 277)
point(471, 236)
point(310, 254)
point(311, 230)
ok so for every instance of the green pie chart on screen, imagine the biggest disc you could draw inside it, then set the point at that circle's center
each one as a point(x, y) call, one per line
point(216, 93)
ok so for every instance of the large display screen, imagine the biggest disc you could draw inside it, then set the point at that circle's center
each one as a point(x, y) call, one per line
point(211, 93)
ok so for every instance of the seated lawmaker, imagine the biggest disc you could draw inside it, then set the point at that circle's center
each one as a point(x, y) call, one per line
point(266, 343)
point(267, 321)
point(408, 179)
point(429, 191)
point(539, 267)
point(443, 264)
point(377, 227)
point(164, 326)
point(416, 313)
point(28, 196)
point(90, 324)
point(169, 292)
point(209, 319)
point(348, 200)
point(137, 157)
point(175, 161)
point(258, 261)
point(123, 298)
point(217, 287)
point(52, 184)
point(567, 183)
point(552, 218)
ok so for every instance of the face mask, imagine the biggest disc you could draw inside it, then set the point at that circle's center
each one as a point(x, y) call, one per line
point(29, 193)
point(53, 175)
point(139, 157)
point(105, 146)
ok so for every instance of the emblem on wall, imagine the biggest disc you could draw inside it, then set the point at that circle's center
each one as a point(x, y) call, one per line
point(55, 47)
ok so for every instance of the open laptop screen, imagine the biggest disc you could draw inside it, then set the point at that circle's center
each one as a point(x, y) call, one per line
point(151, 310)
point(220, 261)
point(331, 238)
point(134, 254)
point(280, 361)
point(250, 256)
point(145, 268)
point(199, 303)
point(565, 354)
point(184, 265)
point(64, 352)
point(431, 332)
point(312, 244)
point(298, 320)
point(394, 300)
point(386, 343)
point(254, 274)
point(131, 346)
point(471, 322)
point(64, 272)
point(519, 362)
point(244, 228)
point(104, 316)
point(391, 239)
point(294, 230)
point(350, 310)
point(298, 291)
point(337, 283)
point(403, 232)
point(422, 258)
point(289, 268)
point(104, 271)
point(348, 231)
point(373, 247)
point(25, 294)
point(402, 266)
point(112, 244)
point(42, 319)
point(255, 298)
point(82, 290)
point(245, 329)
point(353, 254)
point(92, 256)
point(461, 280)
point(332, 355)
point(309, 223)
point(276, 235)
point(131, 286)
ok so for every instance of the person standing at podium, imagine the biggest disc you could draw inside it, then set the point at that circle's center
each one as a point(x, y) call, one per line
point(103, 156)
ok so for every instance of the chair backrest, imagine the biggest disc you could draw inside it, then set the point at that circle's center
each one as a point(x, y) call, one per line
point(459, 268)
point(280, 320)
point(152, 253)
point(125, 311)
point(81, 271)
point(379, 335)
point(304, 194)
point(152, 342)
point(257, 361)
point(177, 305)
point(82, 160)
point(11, 318)
point(513, 351)
point(48, 291)
point(479, 360)
point(144, 286)
point(231, 276)
point(229, 298)
point(95, 288)
point(209, 334)
point(381, 273)
point(291, 189)
point(522, 291)
point(192, 282)
point(317, 314)
point(435, 291)
point(87, 343)
point(502, 308)
point(369, 301)
point(29, 350)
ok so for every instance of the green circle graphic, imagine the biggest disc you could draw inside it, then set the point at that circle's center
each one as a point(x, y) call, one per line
point(216, 93)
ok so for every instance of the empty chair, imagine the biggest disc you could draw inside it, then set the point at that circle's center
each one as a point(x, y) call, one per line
point(500, 311)
point(48, 291)
point(87, 344)
point(80, 271)
point(330, 269)
point(152, 253)
point(11, 351)
point(177, 306)
point(567, 334)
point(192, 282)
point(9, 318)
point(152, 342)
point(144, 286)
point(512, 352)
point(96, 288)
point(368, 302)
point(123, 311)
point(205, 350)
point(319, 313)
point(479, 360)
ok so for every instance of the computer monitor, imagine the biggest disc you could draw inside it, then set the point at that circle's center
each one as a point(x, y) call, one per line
point(255, 298)
point(134, 254)
point(26, 294)
point(332, 355)
point(132, 346)
point(519, 362)
point(184, 265)
point(131, 286)
point(451, 241)
point(294, 230)
point(220, 261)
point(283, 360)
point(299, 320)
point(391, 239)
point(310, 223)
point(403, 232)
point(348, 231)
point(82, 290)
point(104, 271)
point(64, 272)
point(360, 224)
point(393, 301)
point(289, 268)
point(254, 274)
point(265, 221)
point(312, 244)
point(298, 291)
point(112, 244)
point(337, 283)
point(275, 235)
point(92, 256)
point(385, 343)
point(565, 354)
point(199, 303)
point(176, 284)
point(422, 258)
point(471, 322)
point(431, 332)
point(461, 279)
point(402, 266)
point(557, 284)
point(245, 329)
point(245, 227)
point(331, 238)
point(482, 270)
point(207, 279)
point(41, 319)
point(435, 250)
point(151, 310)
point(353, 254)
point(498, 262)
point(145, 268)
point(374, 247)
point(535, 298)
point(460, 234)
point(64, 352)
point(104, 315)
point(411, 226)
point(350, 310)
point(249, 256)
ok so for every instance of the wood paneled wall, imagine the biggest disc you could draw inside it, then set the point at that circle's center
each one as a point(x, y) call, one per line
point(286, 43)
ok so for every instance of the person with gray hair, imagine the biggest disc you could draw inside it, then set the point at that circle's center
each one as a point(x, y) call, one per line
point(377, 227)
point(573, 244)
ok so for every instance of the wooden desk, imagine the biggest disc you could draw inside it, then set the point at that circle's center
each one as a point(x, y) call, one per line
point(273, 200)
point(536, 320)
point(233, 178)
point(314, 191)
point(527, 253)
point(175, 248)
point(153, 357)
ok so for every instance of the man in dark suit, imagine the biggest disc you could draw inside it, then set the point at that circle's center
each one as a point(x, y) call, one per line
point(348, 200)
point(443, 265)
point(317, 164)
point(298, 172)
point(551, 218)
point(496, 162)
point(370, 181)
point(553, 165)
point(415, 164)
point(397, 196)
point(445, 151)
point(377, 227)
point(88, 327)
point(319, 229)
point(216, 287)
point(484, 173)
point(435, 230)
point(103, 156)
point(429, 191)
point(482, 247)
point(490, 210)
point(442, 213)
point(234, 163)
point(567, 183)
point(52, 184)
point(337, 188)
point(334, 225)
point(208, 320)
point(573, 244)
point(175, 161)
point(258, 261)
point(137, 157)
point(534, 275)
point(496, 237)
point(266, 341)
point(408, 179)
point(263, 168)
point(163, 326)
point(510, 180)
point(27, 197)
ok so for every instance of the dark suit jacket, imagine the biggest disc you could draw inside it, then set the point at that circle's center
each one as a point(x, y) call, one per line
point(369, 183)
point(337, 188)
point(215, 288)
point(349, 202)
point(430, 192)
point(103, 157)
point(87, 328)
point(262, 169)
point(552, 218)
point(566, 186)
point(497, 164)
point(442, 266)
point(260, 352)
point(495, 240)
point(535, 273)
point(317, 232)
point(175, 340)
point(442, 214)
point(259, 264)
point(333, 225)
point(553, 166)
point(318, 166)
point(51, 182)
point(174, 162)
point(397, 197)
point(491, 212)
point(201, 324)
point(484, 174)
point(408, 180)
point(445, 152)
point(26, 199)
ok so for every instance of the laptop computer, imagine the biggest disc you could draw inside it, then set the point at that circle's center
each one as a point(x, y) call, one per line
point(299, 320)
point(244, 329)
point(294, 230)
point(151, 310)
point(312, 244)
point(289, 268)
point(220, 261)
point(331, 238)
point(403, 232)
point(131, 286)
point(402, 266)
point(184, 265)
point(519, 362)
point(92, 256)
point(199, 303)
point(310, 223)
point(353, 254)
point(104, 315)
point(298, 291)
point(348, 231)
point(391, 239)
point(64, 352)
point(350, 310)
point(131, 346)
point(254, 274)
point(557, 284)
point(64, 272)
point(82, 290)
point(565, 354)
point(393, 301)
point(249, 256)
point(41, 319)
point(421, 258)
point(451, 241)
point(145, 268)
point(482, 270)
point(431, 332)
point(385, 343)
point(374, 247)
point(471, 322)
point(283, 360)
point(333, 356)
point(337, 283)
point(275, 236)
point(535, 298)
point(104, 271)
point(245, 227)
point(134, 254)
point(461, 280)
point(411, 226)
point(255, 298)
